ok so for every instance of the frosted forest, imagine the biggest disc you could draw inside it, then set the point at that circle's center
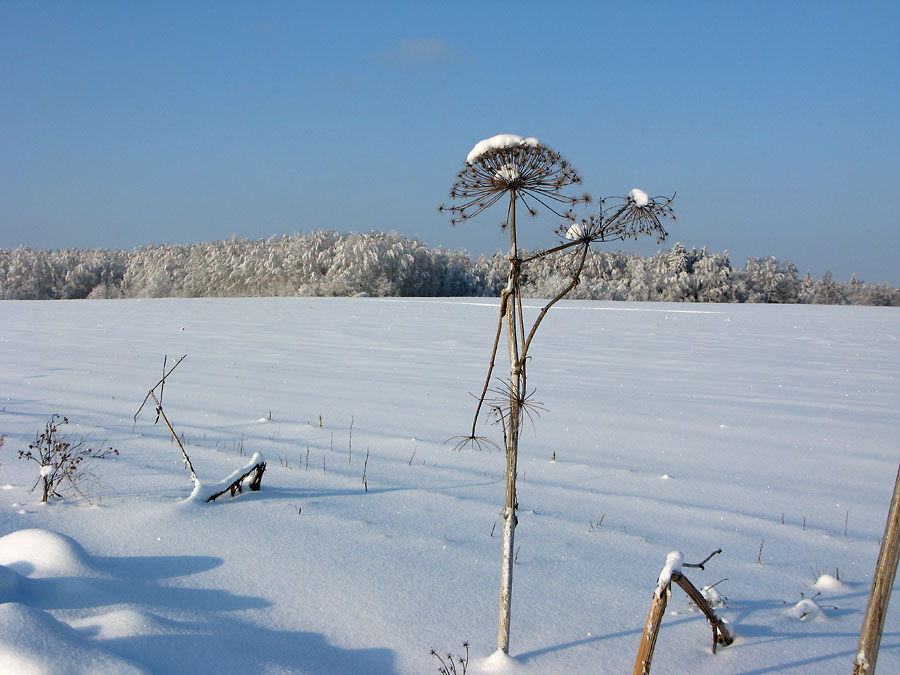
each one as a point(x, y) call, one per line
point(327, 263)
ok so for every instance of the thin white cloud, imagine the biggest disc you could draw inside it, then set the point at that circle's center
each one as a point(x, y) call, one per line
point(419, 51)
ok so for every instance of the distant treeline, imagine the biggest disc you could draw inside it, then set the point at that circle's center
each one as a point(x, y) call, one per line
point(380, 264)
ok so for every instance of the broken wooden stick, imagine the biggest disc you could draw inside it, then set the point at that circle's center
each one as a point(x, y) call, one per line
point(672, 572)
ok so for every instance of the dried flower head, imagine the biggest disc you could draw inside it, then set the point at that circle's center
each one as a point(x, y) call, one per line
point(622, 218)
point(505, 400)
point(508, 163)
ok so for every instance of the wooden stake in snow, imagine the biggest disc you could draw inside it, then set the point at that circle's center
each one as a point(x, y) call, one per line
point(882, 584)
point(672, 572)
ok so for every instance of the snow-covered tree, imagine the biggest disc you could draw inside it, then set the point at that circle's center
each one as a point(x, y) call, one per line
point(377, 263)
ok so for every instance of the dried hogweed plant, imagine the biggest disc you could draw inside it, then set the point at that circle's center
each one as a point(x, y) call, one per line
point(523, 170)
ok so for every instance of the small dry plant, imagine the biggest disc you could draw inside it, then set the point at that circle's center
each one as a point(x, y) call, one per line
point(66, 463)
point(447, 665)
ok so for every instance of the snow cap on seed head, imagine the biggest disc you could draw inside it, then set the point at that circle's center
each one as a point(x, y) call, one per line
point(639, 197)
point(498, 141)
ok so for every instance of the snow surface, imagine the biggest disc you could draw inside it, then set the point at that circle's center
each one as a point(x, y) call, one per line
point(498, 141)
point(639, 197)
point(756, 413)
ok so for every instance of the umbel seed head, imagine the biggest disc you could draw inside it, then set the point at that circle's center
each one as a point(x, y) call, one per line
point(509, 163)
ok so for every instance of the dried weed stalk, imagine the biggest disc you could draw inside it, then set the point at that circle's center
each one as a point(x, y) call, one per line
point(525, 171)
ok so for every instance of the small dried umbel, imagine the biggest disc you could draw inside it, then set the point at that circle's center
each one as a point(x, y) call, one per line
point(506, 163)
point(623, 218)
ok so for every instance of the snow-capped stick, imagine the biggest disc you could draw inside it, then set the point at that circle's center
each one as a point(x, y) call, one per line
point(674, 561)
point(670, 573)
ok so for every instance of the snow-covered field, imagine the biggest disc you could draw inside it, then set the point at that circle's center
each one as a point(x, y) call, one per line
point(768, 431)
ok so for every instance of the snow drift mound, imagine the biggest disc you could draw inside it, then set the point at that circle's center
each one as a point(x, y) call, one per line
point(35, 643)
point(42, 553)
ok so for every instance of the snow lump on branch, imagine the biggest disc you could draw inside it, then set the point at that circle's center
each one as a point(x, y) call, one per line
point(673, 566)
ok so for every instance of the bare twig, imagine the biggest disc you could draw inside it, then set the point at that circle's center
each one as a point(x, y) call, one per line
point(160, 414)
point(704, 561)
point(365, 467)
point(159, 384)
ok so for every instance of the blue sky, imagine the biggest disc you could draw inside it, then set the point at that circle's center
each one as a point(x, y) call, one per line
point(125, 123)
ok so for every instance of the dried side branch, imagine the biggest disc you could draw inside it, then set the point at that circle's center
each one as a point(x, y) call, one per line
point(704, 561)
point(576, 276)
point(721, 634)
point(161, 383)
